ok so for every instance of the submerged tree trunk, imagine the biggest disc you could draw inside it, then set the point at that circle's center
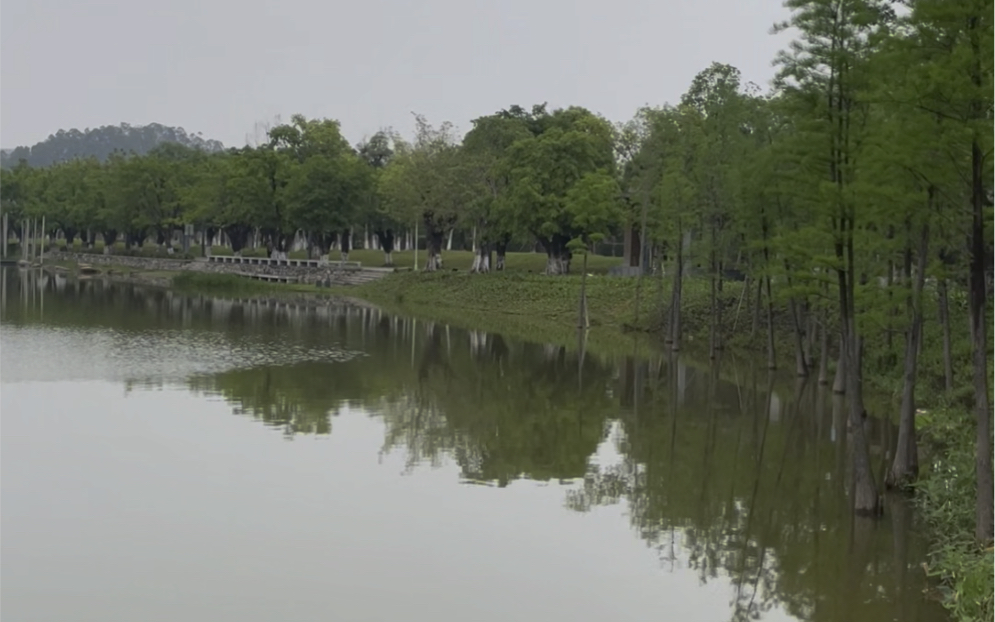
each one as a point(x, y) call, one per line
point(864, 489)
point(905, 467)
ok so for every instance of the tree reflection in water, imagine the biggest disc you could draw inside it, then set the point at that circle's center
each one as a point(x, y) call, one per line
point(724, 470)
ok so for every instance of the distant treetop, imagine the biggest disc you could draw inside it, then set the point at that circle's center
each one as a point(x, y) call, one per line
point(101, 142)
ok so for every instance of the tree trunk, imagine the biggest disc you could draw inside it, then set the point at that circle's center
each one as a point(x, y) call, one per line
point(345, 243)
point(801, 365)
point(755, 312)
point(948, 360)
point(771, 353)
point(385, 239)
point(712, 295)
point(675, 298)
point(824, 349)
point(481, 259)
point(811, 326)
point(839, 381)
point(557, 255)
point(905, 467)
point(434, 260)
point(110, 238)
point(239, 237)
point(583, 320)
point(501, 246)
point(864, 489)
point(715, 332)
point(70, 233)
point(979, 340)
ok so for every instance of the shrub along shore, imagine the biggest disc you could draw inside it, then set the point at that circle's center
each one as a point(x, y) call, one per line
point(523, 303)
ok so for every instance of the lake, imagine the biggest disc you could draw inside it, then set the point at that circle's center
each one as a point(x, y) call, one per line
point(182, 457)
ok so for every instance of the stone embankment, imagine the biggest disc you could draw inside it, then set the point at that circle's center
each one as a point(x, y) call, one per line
point(326, 274)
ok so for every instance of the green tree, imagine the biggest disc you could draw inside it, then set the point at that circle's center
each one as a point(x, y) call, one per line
point(543, 168)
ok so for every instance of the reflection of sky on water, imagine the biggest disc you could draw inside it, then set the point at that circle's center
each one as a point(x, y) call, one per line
point(151, 356)
point(94, 470)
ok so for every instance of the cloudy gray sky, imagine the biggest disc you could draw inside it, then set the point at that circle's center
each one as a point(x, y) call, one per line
point(220, 66)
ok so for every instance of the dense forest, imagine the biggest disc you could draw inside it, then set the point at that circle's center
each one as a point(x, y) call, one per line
point(858, 184)
point(101, 142)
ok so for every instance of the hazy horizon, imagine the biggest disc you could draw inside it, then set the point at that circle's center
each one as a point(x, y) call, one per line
point(218, 68)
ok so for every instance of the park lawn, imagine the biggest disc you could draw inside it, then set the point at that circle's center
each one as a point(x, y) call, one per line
point(451, 260)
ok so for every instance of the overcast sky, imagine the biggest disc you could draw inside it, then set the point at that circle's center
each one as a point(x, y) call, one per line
point(220, 66)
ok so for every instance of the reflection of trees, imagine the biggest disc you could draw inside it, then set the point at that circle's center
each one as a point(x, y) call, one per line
point(503, 411)
point(731, 479)
point(753, 494)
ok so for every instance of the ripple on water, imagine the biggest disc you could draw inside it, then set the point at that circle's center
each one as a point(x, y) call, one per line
point(53, 353)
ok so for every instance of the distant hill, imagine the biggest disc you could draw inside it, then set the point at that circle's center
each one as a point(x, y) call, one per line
point(102, 142)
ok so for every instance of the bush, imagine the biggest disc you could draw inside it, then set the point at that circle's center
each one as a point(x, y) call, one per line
point(946, 499)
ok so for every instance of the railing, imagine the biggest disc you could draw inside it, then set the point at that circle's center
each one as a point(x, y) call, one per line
point(296, 263)
point(269, 277)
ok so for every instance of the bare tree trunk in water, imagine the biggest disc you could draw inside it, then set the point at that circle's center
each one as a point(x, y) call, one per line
point(948, 361)
point(905, 467)
point(864, 489)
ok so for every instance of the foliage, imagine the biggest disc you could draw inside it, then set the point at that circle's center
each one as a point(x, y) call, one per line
point(101, 142)
point(946, 501)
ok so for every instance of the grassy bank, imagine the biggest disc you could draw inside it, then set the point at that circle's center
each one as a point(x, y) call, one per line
point(531, 306)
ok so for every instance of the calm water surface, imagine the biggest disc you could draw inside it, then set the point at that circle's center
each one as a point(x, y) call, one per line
point(170, 457)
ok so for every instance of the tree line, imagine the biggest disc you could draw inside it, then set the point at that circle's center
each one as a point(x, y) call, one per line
point(858, 185)
point(101, 142)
